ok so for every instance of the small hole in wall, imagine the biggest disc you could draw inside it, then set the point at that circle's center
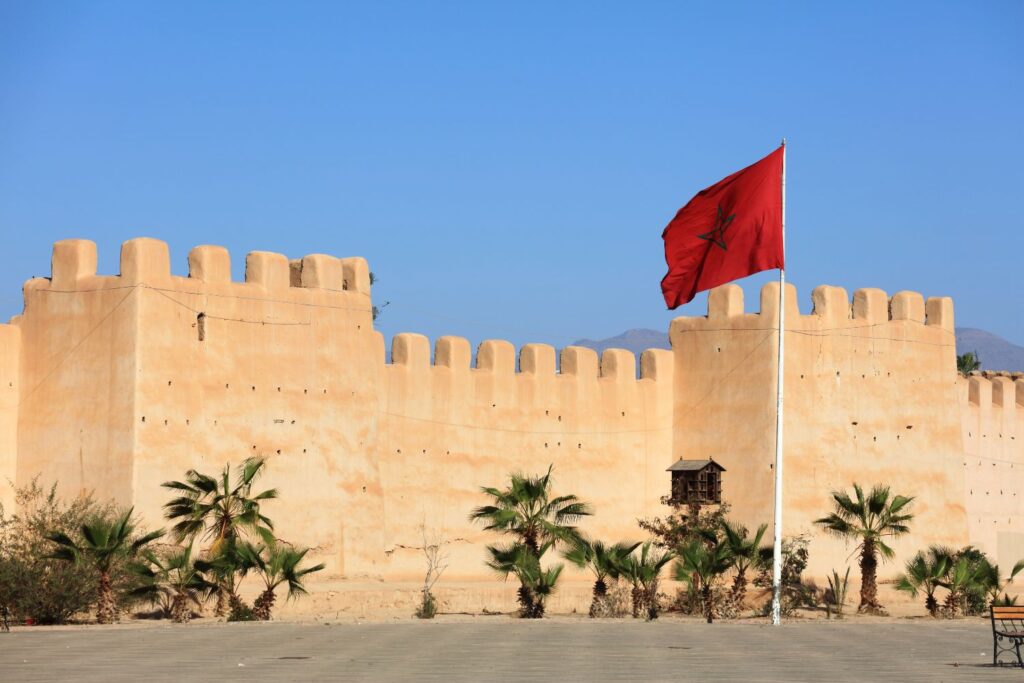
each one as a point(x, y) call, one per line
point(254, 387)
point(254, 446)
point(910, 426)
point(293, 421)
point(545, 412)
point(201, 326)
point(303, 450)
point(854, 423)
point(364, 489)
point(801, 376)
point(165, 423)
point(227, 386)
point(279, 451)
point(874, 438)
point(559, 418)
point(398, 450)
point(168, 382)
point(424, 451)
point(279, 388)
point(214, 423)
point(897, 437)
point(305, 391)
point(623, 413)
point(837, 373)
point(545, 444)
point(559, 443)
point(188, 422)
point(143, 418)
point(579, 445)
point(494, 405)
point(325, 391)
point(719, 349)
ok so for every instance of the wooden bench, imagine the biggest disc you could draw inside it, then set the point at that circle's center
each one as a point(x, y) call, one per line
point(1007, 632)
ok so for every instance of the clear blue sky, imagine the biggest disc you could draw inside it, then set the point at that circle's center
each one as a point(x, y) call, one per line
point(507, 168)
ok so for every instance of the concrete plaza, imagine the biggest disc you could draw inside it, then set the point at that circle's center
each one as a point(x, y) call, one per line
point(499, 649)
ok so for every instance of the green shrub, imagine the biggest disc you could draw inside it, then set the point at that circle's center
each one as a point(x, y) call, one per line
point(33, 586)
point(427, 608)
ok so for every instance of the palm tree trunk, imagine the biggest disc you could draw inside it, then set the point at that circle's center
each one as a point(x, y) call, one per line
point(638, 599)
point(709, 607)
point(952, 603)
point(106, 607)
point(868, 578)
point(181, 612)
point(932, 605)
point(651, 598)
point(263, 605)
point(739, 587)
point(221, 610)
point(600, 595)
point(526, 602)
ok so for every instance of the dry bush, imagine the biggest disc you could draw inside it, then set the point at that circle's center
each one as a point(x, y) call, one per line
point(33, 587)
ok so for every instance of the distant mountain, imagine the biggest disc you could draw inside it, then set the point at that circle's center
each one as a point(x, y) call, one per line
point(637, 341)
point(995, 352)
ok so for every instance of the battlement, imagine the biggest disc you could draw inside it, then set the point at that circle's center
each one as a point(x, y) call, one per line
point(995, 390)
point(499, 357)
point(832, 309)
point(146, 262)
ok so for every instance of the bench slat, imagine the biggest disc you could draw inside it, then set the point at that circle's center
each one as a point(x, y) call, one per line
point(1008, 612)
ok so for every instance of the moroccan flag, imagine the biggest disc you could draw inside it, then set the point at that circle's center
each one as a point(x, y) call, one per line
point(727, 231)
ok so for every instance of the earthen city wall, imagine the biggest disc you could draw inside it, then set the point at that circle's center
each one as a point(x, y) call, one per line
point(114, 384)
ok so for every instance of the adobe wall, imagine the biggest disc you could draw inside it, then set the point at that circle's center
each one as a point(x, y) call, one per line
point(10, 386)
point(992, 409)
point(142, 376)
point(870, 396)
point(78, 370)
point(447, 429)
point(118, 383)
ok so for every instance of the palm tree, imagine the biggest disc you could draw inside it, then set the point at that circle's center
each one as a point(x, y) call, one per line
point(221, 512)
point(606, 562)
point(703, 562)
point(746, 554)
point(536, 584)
point(643, 571)
point(526, 510)
point(993, 583)
point(104, 541)
point(275, 563)
point(962, 577)
point(869, 520)
point(968, 362)
point(174, 580)
point(926, 572)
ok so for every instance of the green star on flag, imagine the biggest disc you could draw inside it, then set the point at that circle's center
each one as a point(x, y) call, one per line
point(717, 234)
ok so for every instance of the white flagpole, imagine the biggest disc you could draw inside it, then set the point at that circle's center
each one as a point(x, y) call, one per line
point(777, 555)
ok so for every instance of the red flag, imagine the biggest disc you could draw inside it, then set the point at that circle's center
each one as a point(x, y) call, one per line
point(727, 231)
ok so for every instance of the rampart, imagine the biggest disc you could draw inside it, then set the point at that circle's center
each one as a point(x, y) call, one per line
point(117, 383)
point(993, 436)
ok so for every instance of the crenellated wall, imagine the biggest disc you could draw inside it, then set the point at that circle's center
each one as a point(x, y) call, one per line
point(870, 396)
point(448, 429)
point(992, 410)
point(117, 383)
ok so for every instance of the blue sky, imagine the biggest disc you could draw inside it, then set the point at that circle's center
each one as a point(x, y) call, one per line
point(507, 168)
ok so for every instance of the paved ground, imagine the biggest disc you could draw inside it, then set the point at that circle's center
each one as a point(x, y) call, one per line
point(493, 650)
